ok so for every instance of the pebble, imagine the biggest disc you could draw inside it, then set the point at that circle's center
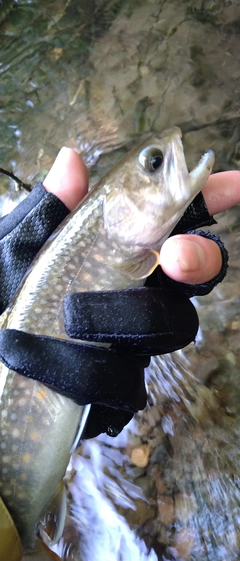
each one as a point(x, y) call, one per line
point(140, 455)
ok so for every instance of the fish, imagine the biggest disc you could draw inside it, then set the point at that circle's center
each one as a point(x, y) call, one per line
point(111, 241)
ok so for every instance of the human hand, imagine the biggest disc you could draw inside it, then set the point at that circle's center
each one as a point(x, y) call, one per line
point(186, 257)
point(68, 180)
point(194, 259)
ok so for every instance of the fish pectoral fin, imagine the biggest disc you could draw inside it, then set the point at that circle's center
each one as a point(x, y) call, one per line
point(51, 526)
point(142, 266)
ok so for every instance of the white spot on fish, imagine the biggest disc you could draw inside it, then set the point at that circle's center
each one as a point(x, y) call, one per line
point(102, 271)
point(58, 287)
point(7, 492)
point(71, 267)
point(65, 279)
point(6, 459)
point(54, 297)
point(37, 310)
point(15, 433)
point(88, 265)
point(22, 402)
point(22, 384)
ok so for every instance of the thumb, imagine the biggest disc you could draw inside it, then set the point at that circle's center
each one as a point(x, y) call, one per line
point(190, 258)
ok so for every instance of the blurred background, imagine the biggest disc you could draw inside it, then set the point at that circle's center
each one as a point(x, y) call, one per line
point(96, 75)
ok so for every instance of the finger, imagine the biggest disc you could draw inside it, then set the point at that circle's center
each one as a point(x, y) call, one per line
point(68, 178)
point(190, 258)
point(222, 191)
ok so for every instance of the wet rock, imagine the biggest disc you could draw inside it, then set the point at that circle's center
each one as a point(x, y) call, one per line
point(166, 510)
point(184, 543)
point(206, 369)
point(185, 506)
point(147, 485)
point(160, 455)
point(139, 516)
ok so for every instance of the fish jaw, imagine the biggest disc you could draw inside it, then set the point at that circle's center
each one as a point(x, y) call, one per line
point(199, 175)
point(40, 553)
point(143, 216)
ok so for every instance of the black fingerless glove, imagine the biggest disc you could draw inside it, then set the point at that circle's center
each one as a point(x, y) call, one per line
point(22, 234)
point(155, 319)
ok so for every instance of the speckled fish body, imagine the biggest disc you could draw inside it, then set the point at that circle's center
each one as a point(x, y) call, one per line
point(110, 242)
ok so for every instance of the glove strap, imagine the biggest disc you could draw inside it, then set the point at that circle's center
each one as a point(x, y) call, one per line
point(116, 317)
point(84, 373)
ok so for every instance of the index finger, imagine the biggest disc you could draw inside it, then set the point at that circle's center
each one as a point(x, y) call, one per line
point(222, 191)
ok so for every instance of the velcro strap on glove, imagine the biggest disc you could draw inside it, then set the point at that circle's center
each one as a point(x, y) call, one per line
point(125, 318)
point(84, 373)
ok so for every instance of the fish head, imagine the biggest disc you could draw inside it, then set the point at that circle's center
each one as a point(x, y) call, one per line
point(153, 190)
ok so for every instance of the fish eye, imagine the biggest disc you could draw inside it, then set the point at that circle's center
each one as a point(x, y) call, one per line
point(151, 158)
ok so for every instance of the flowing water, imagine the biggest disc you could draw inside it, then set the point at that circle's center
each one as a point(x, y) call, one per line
point(96, 75)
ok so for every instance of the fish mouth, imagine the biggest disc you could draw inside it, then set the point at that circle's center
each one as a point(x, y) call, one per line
point(199, 175)
point(197, 179)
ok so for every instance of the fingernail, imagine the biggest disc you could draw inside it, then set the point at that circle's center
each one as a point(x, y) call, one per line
point(190, 255)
